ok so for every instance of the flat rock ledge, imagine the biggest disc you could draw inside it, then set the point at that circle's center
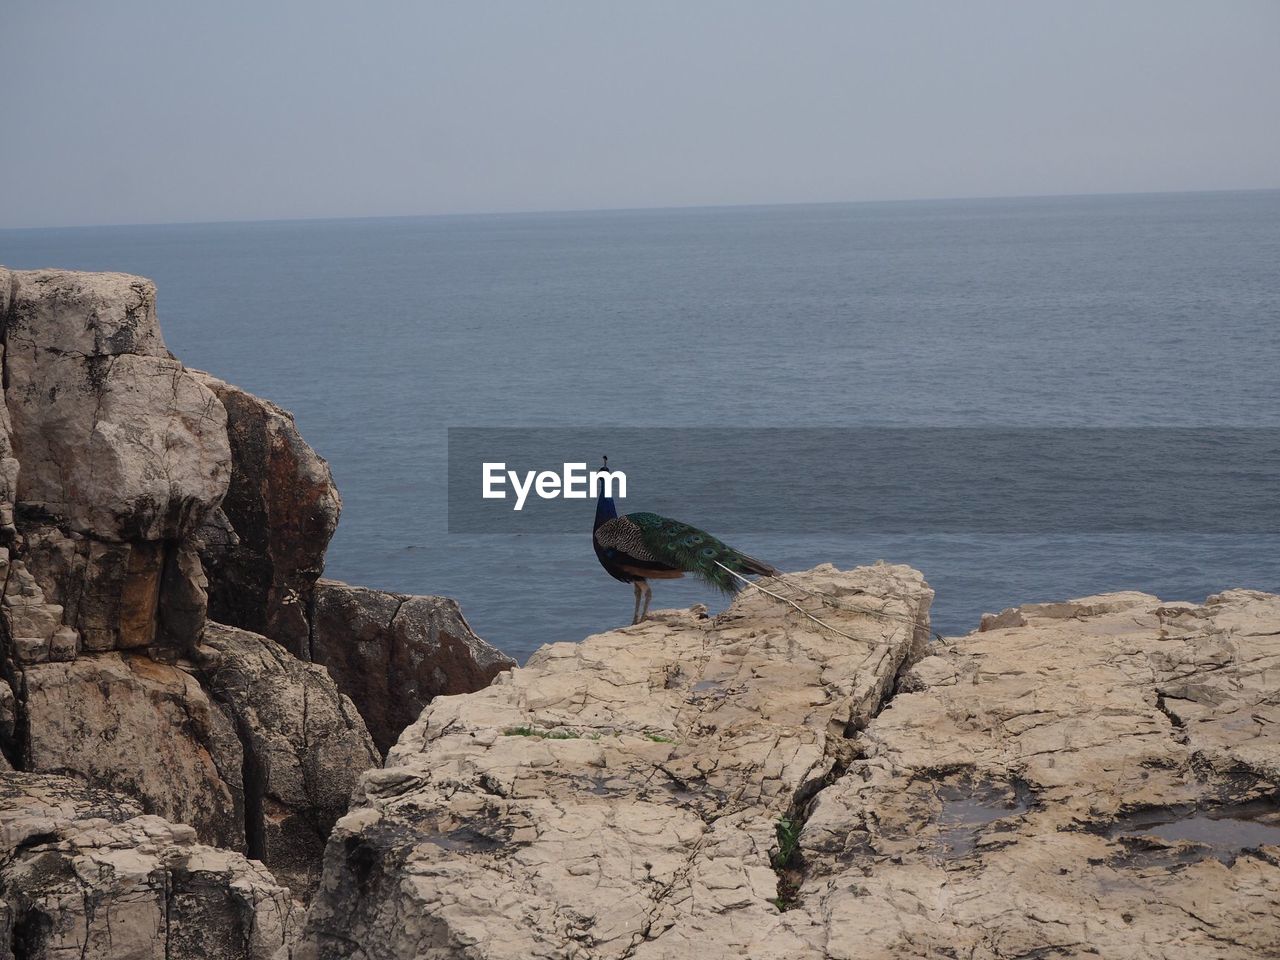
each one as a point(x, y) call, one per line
point(1091, 778)
point(1097, 777)
point(620, 797)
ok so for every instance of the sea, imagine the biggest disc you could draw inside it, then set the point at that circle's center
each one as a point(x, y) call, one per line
point(1149, 311)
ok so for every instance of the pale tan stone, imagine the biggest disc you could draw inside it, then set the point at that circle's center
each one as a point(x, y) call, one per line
point(85, 875)
point(144, 729)
point(647, 830)
point(993, 810)
point(988, 816)
point(115, 437)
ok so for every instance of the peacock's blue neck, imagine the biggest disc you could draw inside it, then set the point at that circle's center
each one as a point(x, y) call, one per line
point(605, 510)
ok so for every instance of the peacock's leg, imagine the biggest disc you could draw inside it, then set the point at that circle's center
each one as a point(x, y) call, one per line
point(648, 595)
point(635, 616)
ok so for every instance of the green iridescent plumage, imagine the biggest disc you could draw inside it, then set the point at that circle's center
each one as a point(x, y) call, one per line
point(695, 551)
point(639, 547)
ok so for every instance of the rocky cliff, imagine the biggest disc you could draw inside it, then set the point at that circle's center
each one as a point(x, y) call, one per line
point(1097, 777)
point(195, 720)
point(629, 790)
point(161, 536)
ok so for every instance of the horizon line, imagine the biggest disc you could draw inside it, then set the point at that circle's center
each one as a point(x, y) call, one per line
point(659, 208)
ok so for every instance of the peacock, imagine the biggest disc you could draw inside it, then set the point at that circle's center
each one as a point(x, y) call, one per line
point(638, 547)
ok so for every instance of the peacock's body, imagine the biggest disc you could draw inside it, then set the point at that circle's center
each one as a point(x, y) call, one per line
point(638, 547)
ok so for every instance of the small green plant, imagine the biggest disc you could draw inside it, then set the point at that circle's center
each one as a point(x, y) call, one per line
point(787, 831)
point(659, 738)
point(785, 863)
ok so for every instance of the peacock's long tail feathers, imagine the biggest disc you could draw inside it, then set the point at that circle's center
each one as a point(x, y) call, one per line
point(777, 585)
point(697, 552)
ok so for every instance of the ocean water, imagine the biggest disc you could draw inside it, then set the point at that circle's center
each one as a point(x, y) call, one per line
point(1134, 311)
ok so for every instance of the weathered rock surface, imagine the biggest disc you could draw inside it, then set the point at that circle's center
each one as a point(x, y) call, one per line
point(618, 797)
point(255, 749)
point(114, 455)
point(280, 512)
point(115, 437)
point(121, 476)
point(1098, 777)
point(392, 653)
point(85, 875)
point(305, 747)
point(144, 729)
point(8, 725)
point(110, 596)
point(34, 625)
point(8, 461)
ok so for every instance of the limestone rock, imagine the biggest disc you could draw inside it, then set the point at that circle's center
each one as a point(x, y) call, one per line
point(34, 625)
point(116, 439)
point(619, 797)
point(85, 875)
point(305, 745)
point(283, 508)
point(123, 453)
point(144, 729)
point(392, 653)
point(1092, 777)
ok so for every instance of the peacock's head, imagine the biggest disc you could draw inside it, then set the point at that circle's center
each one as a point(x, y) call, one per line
point(605, 509)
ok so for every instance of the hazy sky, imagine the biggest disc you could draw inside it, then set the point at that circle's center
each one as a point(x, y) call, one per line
point(132, 111)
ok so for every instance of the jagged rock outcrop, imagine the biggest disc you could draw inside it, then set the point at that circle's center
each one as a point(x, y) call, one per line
point(392, 654)
point(145, 729)
point(618, 797)
point(8, 723)
point(265, 550)
point(305, 746)
point(122, 475)
point(114, 436)
point(8, 462)
point(1095, 777)
point(255, 749)
point(84, 874)
point(115, 454)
